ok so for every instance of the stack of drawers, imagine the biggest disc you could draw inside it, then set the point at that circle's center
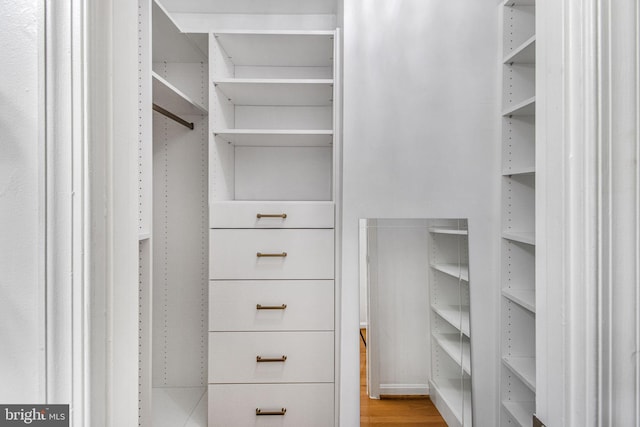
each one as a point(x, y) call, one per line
point(271, 314)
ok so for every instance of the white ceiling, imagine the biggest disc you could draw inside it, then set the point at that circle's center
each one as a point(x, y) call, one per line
point(296, 7)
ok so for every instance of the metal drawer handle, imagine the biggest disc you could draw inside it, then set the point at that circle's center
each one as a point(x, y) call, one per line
point(283, 216)
point(270, 307)
point(261, 255)
point(280, 412)
point(261, 359)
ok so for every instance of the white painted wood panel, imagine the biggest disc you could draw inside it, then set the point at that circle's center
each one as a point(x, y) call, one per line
point(309, 254)
point(308, 405)
point(302, 305)
point(244, 214)
point(304, 92)
point(283, 173)
point(233, 357)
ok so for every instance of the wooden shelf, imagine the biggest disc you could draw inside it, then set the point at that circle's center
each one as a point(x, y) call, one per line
point(169, 43)
point(448, 230)
point(524, 368)
point(524, 108)
point(524, 54)
point(454, 315)
point(521, 412)
point(524, 297)
point(170, 98)
point(301, 49)
point(460, 352)
point(307, 92)
point(276, 137)
point(520, 236)
point(455, 270)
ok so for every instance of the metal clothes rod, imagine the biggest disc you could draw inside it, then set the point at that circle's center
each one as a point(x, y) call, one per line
point(172, 116)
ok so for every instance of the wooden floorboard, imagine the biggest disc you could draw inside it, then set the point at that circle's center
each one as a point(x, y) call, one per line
point(403, 412)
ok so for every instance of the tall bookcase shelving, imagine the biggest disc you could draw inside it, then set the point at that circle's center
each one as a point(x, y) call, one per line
point(272, 219)
point(517, 330)
point(450, 384)
point(173, 220)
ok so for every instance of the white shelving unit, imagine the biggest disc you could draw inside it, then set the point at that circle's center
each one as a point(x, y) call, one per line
point(173, 212)
point(517, 288)
point(450, 383)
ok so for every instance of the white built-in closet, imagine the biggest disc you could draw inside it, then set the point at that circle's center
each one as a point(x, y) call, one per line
point(237, 194)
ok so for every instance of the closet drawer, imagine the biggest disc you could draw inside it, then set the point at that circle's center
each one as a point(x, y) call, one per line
point(302, 357)
point(238, 214)
point(270, 254)
point(308, 405)
point(290, 305)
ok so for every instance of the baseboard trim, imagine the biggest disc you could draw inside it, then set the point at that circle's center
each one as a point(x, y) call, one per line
point(404, 389)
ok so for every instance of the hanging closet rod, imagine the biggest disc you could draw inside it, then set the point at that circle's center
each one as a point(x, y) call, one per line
point(172, 116)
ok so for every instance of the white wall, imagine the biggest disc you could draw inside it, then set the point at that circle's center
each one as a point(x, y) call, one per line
point(21, 297)
point(421, 140)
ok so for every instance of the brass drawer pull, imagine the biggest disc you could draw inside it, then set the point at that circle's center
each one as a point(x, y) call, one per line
point(280, 412)
point(270, 307)
point(261, 255)
point(261, 359)
point(283, 216)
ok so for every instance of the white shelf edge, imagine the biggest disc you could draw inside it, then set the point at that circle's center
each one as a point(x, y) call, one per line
point(178, 93)
point(276, 32)
point(461, 272)
point(512, 56)
point(528, 238)
point(273, 132)
point(521, 412)
point(144, 236)
point(522, 171)
point(510, 3)
point(524, 368)
point(526, 298)
point(447, 346)
point(518, 109)
point(230, 80)
point(447, 230)
point(442, 312)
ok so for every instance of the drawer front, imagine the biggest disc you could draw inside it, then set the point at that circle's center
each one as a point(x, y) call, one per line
point(271, 215)
point(292, 305)
point(308, 405)
point(297, 254)
point(303, 357)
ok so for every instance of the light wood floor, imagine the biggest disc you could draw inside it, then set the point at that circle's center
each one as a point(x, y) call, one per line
point(403, 412)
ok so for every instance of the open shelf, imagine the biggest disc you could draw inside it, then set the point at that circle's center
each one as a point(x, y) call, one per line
point(448, 230)
point(179, 406)
point(524, 368)
point(524, 108)
point(170, 98)
point(456, 316)
point(525, 54)
point(456, 395)
point(525, 297)
point(276, 137)
point(299, 49)
point(528, 170)
point(455, 270)
point(520, 236)
point(521, 412)
point(511, 3)
point(303, 92)
point(169, 43)
point(285, 7)
point(459, 351)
